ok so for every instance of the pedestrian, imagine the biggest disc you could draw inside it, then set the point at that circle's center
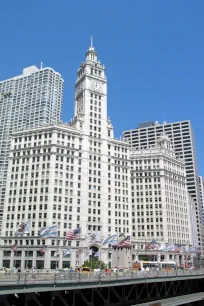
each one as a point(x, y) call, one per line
point(19, 274)
point(33, 273)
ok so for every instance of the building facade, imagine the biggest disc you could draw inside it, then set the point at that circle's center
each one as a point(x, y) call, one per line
point(201, 187)
point(74, 175)
point(182, 137)
point(159, 195)
point(28, 100)
point(161, 205)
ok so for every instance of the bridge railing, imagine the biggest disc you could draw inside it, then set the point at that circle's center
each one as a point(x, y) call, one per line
point(66, 276)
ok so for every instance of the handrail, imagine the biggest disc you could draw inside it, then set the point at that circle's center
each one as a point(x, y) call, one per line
point(50, 277)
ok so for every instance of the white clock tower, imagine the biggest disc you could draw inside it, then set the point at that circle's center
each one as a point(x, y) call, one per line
point(91, 97)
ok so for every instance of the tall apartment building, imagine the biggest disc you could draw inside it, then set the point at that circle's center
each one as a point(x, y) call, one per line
point(182, 137)
point(160, 203)
point(27, 100)
point(201, 187)
point(75, 175)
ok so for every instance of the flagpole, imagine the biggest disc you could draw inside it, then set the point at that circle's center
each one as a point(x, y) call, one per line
point(117, 250)
point(80, 255)
point(91, 259)
point(100, 251)
point(131, 254)
point(28, 248)
point(57, 254)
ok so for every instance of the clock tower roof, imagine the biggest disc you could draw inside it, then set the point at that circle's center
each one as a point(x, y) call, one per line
point(91, 54)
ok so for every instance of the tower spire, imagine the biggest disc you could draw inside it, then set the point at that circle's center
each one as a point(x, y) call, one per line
point(91, 54)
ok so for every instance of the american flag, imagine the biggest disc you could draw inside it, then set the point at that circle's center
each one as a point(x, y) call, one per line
point(177, 248)
point(152, 245)
point(73, 234)
point(125, 242)
point(14, 247)
point(198, 251)
point(42, 250)
point(78, 252)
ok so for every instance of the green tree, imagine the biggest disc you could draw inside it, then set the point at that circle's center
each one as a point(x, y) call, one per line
point(95, 264)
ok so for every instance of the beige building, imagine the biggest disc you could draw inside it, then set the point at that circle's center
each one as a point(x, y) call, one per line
point(162, 209)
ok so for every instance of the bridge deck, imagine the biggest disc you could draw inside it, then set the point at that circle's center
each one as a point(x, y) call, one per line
point(41, 282)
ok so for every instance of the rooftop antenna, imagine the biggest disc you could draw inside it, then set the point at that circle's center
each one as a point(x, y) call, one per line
point(41, 65)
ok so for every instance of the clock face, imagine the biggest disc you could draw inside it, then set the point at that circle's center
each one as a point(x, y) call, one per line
point(96, 85)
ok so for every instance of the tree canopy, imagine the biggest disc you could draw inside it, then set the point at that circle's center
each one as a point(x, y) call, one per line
point(95, 264)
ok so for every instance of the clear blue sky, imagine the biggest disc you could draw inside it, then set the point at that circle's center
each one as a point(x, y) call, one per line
point(153, 52)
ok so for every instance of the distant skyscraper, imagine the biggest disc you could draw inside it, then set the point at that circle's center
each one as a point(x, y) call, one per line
point(181, 135)
point(31, 99)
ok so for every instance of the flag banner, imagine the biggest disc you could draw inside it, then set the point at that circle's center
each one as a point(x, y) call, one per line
point(187, 248)
point(56, 254)
point(117, 241)
point(97, 237)
point(78, 252)
point(97, 254)
point(177, 248)
point(170, 247)
point(93, 237)
point(14, 247)
point(49, 231)
point(125, 243)
point(88, 237)
point(121, 237)
point(162, 247)
point(87, 254)
point(153, 245)
point(67, 252)
point(192, 249)
point(90, 252)
point(114, 243)
point(183, 249)
point(23, 228)
point(198, 251)
point(73, 234)
point(109, 239)
point(42, 250)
